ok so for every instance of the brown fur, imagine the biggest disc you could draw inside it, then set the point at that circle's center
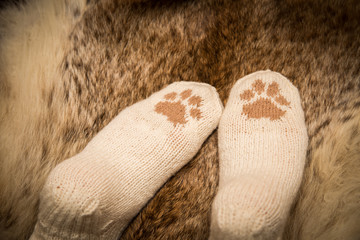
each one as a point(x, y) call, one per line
point(119, 53)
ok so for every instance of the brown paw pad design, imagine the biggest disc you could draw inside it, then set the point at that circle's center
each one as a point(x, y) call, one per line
point(178, 107)
point(265, 106)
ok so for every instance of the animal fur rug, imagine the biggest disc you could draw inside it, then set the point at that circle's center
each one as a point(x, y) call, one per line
point(67, 67)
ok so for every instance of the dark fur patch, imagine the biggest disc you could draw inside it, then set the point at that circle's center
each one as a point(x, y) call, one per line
point(321, 126)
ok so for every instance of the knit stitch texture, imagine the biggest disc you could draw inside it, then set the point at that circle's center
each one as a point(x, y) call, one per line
point(95, 194)
point(262, 144)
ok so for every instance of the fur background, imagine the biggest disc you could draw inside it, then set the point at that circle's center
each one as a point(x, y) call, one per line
point(68, 67)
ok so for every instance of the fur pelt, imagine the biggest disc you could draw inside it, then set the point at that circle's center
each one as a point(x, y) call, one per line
point(68, 67)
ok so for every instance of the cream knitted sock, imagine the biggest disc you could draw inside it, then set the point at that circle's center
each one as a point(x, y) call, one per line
point(262, 147)
point(95, 194)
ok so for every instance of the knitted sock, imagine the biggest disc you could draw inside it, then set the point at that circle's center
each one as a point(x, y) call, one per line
point(95, 194)
point(262, 146)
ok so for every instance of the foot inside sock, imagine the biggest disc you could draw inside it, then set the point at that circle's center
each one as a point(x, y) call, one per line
point(262, 146)
point(95, 194)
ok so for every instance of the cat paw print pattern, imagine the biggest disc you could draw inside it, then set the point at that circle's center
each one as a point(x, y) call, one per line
point(139, 150)
point(262, 148)
point(264, 101)
point(179, 107)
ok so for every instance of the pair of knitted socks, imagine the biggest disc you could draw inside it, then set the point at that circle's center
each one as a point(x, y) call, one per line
point(262, 143)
